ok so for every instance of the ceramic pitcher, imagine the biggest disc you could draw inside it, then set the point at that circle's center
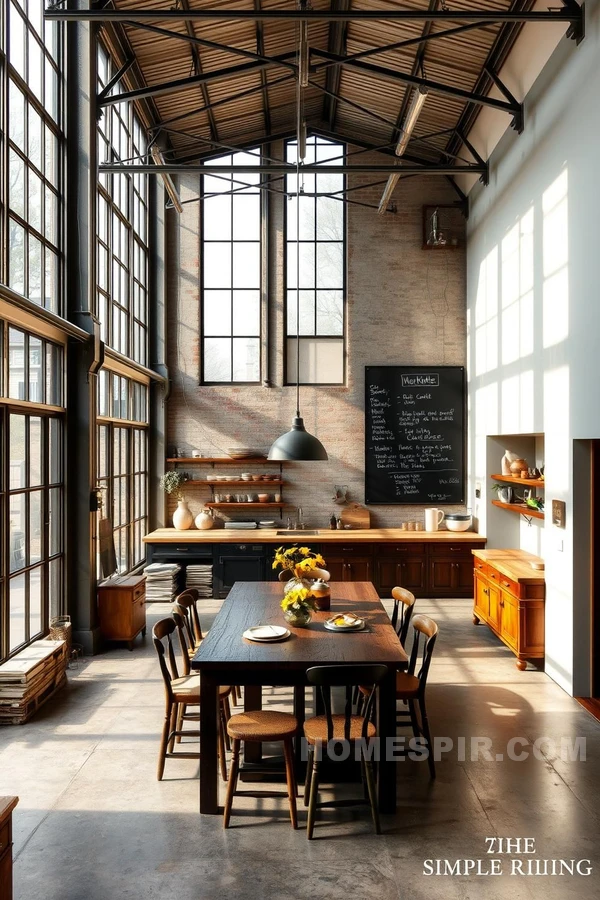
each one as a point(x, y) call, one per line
point(433, 518)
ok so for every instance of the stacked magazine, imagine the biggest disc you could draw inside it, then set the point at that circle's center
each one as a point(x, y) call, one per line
point(201, 578)
point(161, 582)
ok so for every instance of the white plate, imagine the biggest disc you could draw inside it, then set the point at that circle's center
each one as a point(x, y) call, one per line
point(356, 626)
point(267, 634)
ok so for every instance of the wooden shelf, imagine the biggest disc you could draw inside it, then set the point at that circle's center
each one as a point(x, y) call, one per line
point(244, 505)
point(226, 460)
point(236, 483)
point(520, 508)
point(530, 482)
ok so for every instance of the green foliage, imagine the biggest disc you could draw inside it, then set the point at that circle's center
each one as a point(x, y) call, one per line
point(171, 482)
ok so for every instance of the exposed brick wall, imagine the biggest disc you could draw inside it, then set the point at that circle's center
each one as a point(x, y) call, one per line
point(405, 306)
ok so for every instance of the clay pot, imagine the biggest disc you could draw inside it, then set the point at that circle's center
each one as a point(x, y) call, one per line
point(204, 520)
point(517, 466)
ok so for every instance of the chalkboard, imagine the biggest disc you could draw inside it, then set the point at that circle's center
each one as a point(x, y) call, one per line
point(414, 434)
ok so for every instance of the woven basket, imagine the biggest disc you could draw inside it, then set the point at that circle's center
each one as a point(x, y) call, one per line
point(61, 630)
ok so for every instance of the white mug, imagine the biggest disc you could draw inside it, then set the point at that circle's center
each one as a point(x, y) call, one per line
point(433, 518)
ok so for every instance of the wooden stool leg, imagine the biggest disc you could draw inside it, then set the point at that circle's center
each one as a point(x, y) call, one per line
point(372, 795)
point(181, 710)
point(163, 742)
point(312, 803)
point(233, 777)
point(223, 725)
point(221, 750)
point(309, 765)
point(173, 726)
point(288, 752)
point(427, 736)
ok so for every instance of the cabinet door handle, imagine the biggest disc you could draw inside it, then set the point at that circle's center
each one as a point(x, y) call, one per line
point(506, 583)
point(501, 604)
point(485, 591)
point(492, 575)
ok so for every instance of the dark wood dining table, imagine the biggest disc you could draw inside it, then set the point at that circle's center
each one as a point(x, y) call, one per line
point(226, 657)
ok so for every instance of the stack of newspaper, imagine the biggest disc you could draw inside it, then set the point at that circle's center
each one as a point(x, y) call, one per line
point(161, 582)
point(201, 578)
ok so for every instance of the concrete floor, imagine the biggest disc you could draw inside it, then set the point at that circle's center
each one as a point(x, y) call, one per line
point(94, 824)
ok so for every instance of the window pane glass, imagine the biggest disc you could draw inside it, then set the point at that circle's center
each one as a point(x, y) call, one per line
point(330, 312)
point(321, 361)
point(16, 257)
point(54, 517)
point(35, 527)
point(35, 370)
point(16, 186)
point(246, 217)
point(330, 271)
point(36, 67)
point(16, 119)
point(35, 602)
point(217, 265)
point(17, 452)
point(217, 313)
point(246, 313)
point(55, 587)
point(217, 218)
point(51, 298)
point(35, 135)
point(217, 359)
point(50, 215)
point(307, 265)
point(246, 265)
point(17, 532)
point(307, 312)
point(54, 375)
point(55, 451)
point(35, 451)
point(35, 270)
point(246, 359)
point(103, 439)
point(16, 364)
point(16, 626)
point(17, 40)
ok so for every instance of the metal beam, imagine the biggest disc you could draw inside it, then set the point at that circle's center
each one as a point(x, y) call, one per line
point(394, 76)
point(116, 78)
point(180, 84)
point(336, 44)
point(278, 169)
point(573, 14)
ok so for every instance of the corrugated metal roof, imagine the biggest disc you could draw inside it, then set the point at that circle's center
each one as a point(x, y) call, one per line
point(240, 108)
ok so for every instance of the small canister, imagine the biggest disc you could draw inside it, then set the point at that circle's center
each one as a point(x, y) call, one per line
point(322, 594)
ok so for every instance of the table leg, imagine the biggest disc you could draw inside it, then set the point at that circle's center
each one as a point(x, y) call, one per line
point(252, 700)
point(386, 728)
point(209, 707)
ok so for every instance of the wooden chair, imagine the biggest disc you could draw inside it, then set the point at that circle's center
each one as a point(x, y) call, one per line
point(180, 692)
point(187, 600)
point(410, 685)
point(262, 725)
point(319, 730)
point(285, 575)
point(404, 603)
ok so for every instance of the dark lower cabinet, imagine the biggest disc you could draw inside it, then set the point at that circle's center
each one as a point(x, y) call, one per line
point(450, 576)
point(237, 562)
point(408, 572)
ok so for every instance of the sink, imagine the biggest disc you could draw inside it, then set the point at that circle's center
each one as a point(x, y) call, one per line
point(297, 531)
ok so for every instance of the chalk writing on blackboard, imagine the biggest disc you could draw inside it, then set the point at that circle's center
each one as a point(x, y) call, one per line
point(414, 432)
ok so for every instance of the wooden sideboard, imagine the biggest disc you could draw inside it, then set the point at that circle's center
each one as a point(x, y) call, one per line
point(122, 608)
point(509, 597)
point(7, 804)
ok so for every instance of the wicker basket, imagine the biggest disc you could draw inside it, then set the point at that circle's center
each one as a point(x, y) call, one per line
point(60, 630)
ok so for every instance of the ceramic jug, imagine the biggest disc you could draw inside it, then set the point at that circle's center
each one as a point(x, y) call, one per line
point(204, 520)
point(433, 518)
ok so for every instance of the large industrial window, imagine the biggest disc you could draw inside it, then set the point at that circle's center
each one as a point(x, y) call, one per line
point(122, 227)
point(318, 255)
point(31, 67)
point(231, 274)
point(31, 487)
point(123, 463)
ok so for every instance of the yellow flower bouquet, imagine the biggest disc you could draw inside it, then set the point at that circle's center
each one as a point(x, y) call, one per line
point(301, 560)
point(298, 605)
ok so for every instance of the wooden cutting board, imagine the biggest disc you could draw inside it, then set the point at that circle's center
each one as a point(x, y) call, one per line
point(356, 516)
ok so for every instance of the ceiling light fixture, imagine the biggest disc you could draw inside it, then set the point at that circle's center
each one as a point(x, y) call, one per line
point(410, 120)
point(298, 443)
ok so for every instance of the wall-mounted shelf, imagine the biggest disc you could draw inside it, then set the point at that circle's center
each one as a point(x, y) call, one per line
point(521, 508)
point(256, 485)
point(242, 505)
point(218, 460)
point(529, 482)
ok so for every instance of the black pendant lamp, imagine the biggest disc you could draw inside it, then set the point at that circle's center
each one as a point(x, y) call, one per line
point(298, 443)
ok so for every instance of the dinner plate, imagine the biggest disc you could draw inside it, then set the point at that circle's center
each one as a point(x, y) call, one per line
point(355, 626)
point(267, 634)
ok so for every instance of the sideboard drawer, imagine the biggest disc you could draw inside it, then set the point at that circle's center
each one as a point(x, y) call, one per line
point(404, 549)
point(449, 548)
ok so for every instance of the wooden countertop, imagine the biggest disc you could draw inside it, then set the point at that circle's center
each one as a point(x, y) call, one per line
point(514, 564)
point(324, 536)
point(7, 804)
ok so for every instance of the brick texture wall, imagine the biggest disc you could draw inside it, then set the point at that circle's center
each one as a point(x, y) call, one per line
point(405, 306)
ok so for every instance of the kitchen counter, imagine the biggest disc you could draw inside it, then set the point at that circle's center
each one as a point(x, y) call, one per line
point(323, 536)
point(515, 564)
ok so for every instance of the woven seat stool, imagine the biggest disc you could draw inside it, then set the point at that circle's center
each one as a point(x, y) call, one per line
point(262, 725)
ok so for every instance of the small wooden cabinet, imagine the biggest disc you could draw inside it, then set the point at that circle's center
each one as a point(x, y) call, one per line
point(509, 597)
point(122, 608)
point(7, 804)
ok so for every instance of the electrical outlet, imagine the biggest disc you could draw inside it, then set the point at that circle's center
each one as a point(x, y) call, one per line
point(478, 490)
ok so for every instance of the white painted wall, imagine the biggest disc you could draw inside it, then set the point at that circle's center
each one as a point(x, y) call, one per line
point(533, 273)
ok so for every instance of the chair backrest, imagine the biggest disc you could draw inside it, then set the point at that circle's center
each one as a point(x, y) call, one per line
point(184, 640)
point(420, 654)
point(188, 600)
point(285, 575)
point(162, 637)
point(326, 677)
point(404, 603)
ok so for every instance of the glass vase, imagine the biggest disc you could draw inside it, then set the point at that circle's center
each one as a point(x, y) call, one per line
point(298, 617)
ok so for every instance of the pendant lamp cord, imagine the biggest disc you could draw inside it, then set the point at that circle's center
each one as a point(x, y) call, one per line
point(298, 136)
